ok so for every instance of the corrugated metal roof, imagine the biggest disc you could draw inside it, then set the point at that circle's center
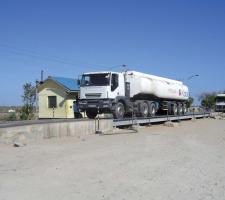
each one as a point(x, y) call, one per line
point(68, 83)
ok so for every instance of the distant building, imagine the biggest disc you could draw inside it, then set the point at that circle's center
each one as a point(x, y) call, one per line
point(11, 111)
point(56, 96)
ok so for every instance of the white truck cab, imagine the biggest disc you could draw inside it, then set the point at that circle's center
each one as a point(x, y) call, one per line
point(99, 91)
point(101, 85)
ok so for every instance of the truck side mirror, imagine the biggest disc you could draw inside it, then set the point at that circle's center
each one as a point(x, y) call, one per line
point(78, 82)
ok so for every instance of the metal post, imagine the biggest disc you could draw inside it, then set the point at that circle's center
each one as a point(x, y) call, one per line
point(193, 110)
point(167, 113)
point(132, 114)
point(53, 112)
point(98, 131)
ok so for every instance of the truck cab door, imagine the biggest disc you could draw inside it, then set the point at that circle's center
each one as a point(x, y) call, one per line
point(117, 85)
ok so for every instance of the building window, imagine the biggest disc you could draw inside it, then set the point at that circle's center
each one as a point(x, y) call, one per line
point(52, 103)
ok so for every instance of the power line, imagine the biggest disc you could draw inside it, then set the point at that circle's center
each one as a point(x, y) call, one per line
point(34, 54)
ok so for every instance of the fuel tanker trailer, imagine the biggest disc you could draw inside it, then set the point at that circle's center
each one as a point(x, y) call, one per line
point(127, 93)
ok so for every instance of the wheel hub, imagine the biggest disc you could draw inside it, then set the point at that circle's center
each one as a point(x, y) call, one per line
point(145, 110)
point(153, 110)
point(120, 110)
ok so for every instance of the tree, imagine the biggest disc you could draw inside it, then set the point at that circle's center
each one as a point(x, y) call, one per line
point(208, 100)
point(29, 98)
point(190, 102)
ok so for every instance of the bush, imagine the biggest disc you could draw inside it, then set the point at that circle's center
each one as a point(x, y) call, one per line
point(23, 116)
point(12, 117)
point(208, 100)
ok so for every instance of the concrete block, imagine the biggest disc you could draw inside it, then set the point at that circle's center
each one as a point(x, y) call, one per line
point(171, 124)
point(20, 140)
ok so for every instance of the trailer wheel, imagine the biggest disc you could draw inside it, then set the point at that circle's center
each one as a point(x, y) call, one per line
point(152, 109)
point(180, 108)
point(119, 111)
point(184, 109)
point(91, 114)
point(174, 109)
point(144, 109)
point(170, 109)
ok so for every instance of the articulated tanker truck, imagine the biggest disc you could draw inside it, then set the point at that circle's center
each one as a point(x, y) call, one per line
point(127, 93)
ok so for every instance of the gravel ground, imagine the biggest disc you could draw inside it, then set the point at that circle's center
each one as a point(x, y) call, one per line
point(158, 162)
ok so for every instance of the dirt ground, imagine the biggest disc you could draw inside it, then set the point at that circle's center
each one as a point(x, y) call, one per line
point(158, 162)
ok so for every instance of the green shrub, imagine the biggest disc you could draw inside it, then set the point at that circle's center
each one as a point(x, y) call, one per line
point(24, 116)
point(12, 117)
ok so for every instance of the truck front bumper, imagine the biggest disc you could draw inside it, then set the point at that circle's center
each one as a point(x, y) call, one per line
point(101, 104)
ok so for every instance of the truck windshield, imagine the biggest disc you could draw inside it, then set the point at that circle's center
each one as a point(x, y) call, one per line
point(220, 99)
point(95, 79)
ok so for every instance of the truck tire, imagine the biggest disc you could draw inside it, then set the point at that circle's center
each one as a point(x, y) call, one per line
point(174, 109)
point(119, 111)
point(144, 109)
point(184, 109)
point(180, 109)
point(91, 114)
point(170, 109)
point(152, 110)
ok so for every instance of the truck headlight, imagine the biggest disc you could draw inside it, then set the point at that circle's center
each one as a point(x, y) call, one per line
point(83, 102)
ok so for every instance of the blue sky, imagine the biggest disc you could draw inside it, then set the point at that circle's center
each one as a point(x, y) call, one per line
point(175, 39)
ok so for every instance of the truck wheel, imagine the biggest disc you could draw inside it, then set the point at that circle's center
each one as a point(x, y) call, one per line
point(152, 109)
point(170, 109)
point(91, 114)
point(180, 108)
point(174, 109)
point(184, 109)
point(119, 111)
point(144, 110)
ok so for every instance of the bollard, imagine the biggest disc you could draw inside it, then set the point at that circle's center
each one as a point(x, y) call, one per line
point(98, 131)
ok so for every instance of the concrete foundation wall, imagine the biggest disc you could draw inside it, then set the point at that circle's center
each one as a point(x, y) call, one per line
point(37, 132)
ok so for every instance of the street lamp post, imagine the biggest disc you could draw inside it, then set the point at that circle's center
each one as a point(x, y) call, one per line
point(190, 77)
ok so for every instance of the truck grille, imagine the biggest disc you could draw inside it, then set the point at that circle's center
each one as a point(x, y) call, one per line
point(220, 108)
point(93, 95)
